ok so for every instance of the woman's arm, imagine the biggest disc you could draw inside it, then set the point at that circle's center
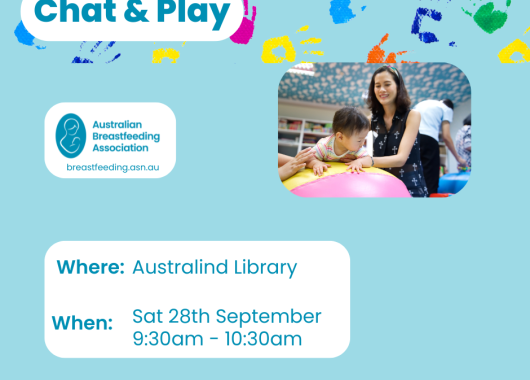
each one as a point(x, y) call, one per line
point(405, 147)
point(283, 159)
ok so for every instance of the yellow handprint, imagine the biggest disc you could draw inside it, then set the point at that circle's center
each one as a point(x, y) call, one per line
point(267, 56)
point(517, 46)
point(160, 54)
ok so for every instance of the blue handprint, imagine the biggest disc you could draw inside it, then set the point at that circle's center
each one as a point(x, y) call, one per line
point(426, 37)
point(25, 37)
point(92, 53)
point(341, 12)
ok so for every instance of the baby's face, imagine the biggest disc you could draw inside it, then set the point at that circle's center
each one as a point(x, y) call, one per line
point(355, 141)
point(71, 126)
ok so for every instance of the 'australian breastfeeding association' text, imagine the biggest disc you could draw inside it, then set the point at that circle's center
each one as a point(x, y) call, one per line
point(122, 136)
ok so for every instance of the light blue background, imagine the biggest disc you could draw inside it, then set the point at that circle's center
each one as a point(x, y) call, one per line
point(439, 288)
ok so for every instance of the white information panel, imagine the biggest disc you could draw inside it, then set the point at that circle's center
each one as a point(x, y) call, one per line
point(197, 299)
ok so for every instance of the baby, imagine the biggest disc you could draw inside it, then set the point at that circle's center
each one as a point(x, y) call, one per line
point(350, 128)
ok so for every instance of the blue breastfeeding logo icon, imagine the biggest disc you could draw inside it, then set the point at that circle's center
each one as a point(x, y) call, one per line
point(70, 135)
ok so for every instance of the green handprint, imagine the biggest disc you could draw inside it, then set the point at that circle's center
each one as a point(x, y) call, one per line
point(488, 19)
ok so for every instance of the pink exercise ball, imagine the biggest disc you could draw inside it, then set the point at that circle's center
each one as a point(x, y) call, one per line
point(372, 183)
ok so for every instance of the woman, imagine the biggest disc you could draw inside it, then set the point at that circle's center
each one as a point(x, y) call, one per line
point(395, 129)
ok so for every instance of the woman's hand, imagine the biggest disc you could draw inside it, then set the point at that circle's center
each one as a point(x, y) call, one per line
point(348, 158)
point(304, 156)
point(295, 164)
point(320, 167)
point(355, 166)
point(461, 161)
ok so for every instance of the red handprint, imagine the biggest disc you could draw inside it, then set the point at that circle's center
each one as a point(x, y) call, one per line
point(246, 29)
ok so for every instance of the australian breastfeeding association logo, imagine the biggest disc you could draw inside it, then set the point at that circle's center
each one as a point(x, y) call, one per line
point(110, 140)
point(70, 135)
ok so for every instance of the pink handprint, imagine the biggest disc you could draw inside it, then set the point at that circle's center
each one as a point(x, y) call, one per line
point(246, 29)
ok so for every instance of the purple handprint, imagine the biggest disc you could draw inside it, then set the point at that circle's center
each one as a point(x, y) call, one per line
point(246, 29)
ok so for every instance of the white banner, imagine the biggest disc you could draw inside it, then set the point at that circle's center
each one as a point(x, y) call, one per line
point(125, 20)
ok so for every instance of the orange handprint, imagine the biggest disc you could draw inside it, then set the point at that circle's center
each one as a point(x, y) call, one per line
point(377, 55)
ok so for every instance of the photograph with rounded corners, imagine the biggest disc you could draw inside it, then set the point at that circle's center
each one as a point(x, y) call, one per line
point(374, 130)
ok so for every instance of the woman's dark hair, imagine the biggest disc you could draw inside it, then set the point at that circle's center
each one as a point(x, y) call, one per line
point(402, 99)
point(467, 120)
point(448, 103)
point(350, 120)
